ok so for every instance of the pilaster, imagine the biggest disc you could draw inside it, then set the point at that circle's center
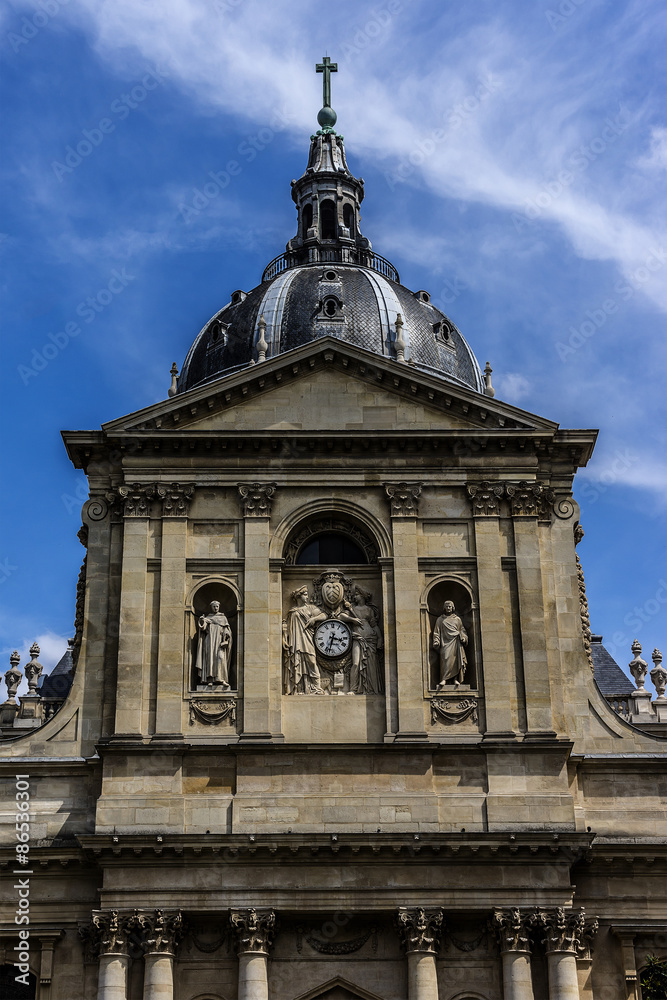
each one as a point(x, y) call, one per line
point(485, 502)
point(256, 501)
point(404, 500)
point(176, 498)
point(528, 501)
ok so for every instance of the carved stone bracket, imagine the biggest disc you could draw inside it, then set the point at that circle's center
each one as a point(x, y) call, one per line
point(565, 930)
point(254, 930)
point(564, 508)
point(512, 929)
point(404, 498)
point(256, 498)
point(443, 710)
point(420, 928)
point(176, 498)
point(530, 499)
point(212, 713)
point(485, 498)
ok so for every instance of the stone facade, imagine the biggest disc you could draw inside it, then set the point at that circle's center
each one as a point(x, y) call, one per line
point(335, 818)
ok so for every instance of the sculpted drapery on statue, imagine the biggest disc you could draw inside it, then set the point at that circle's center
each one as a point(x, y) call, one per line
point(214, 644)
point(302, 672)
point(362, 617)
point(450, 639)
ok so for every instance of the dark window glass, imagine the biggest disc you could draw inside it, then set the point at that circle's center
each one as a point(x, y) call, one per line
point(11, 990)
point(348, 218)
point(328, 220)
point(307, 217)
point(332, 549)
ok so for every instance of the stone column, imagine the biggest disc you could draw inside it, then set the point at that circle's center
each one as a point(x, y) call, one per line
point(256, 507)
point(134, 503)
point(485, 501)
point(404, 498)
point(108, 933)
point(529, 501)
point(161, 934)
point(176, 499)
point(512, 929)
point(421, 930)
point(565, 934)
point(254, 931)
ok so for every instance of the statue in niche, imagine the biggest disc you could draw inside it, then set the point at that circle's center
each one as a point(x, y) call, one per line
point(363, 618)
point(214, 645)
point(302, 671)
point(450, 639)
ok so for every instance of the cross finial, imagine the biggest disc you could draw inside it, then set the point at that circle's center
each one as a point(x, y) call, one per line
point(326, 67)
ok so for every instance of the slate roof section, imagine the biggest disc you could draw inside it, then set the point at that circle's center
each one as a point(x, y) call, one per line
point(609, 676)
point(58, 683)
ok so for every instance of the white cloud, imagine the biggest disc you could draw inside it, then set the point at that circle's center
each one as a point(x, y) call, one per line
point(657, 158)
point(512, 387)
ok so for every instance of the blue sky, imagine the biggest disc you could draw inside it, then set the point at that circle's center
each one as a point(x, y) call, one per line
point(515, 158)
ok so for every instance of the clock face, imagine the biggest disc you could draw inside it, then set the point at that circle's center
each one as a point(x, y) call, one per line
point(332, 638)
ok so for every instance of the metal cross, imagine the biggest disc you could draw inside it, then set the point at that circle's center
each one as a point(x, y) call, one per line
point(327, 67)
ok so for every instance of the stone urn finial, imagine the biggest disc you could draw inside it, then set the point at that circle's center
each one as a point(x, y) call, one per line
point(33, 670)
point(659, 675)
point(638, 667)
point(13, 677)
point(399, 342)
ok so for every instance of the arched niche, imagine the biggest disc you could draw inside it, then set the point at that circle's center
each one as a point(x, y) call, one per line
point(332, 546)
point(450, 588)
point(328, 221)
point(200, 599)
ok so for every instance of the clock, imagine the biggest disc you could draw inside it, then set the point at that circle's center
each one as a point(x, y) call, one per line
point(332, 638)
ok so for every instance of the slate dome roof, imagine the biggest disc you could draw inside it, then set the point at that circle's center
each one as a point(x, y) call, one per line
point(363, 306)
point(329, 282)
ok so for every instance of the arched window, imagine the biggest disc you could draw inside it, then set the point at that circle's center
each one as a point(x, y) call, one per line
point(348, 218)
point(11, 990)
point(307, 218)
point(331, 549)
point(328, 227)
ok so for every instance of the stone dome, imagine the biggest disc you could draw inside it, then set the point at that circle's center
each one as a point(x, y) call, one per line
point(329, 283)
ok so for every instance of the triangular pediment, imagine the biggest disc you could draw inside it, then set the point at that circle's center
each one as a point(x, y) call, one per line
point(330, 385)
point(338, 989)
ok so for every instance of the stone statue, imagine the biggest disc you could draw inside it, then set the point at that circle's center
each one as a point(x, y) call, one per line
point(33, 670)
point(302, 672)
point(214, 644)
point(450, 639)
point(362, 617)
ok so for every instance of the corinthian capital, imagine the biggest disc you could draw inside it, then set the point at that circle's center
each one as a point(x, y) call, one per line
point(253, 929)
point(107, 933)
point(256, 498)
point(565, 930)
point(420, 929)
point(530, 499)
point(156, 931)
point(175, 498)
point(404, 498)
point(485, 498)
point(512, 929)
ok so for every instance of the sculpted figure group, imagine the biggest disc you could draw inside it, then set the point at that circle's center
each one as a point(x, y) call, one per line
point(352, 665)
